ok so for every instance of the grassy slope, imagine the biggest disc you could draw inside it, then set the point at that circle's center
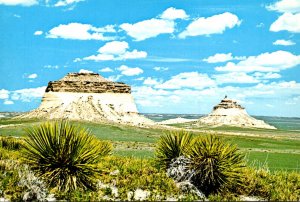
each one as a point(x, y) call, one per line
point(278, 151)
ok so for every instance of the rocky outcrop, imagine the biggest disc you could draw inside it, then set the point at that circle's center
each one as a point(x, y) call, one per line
point(87, 83)
point(228, 112)
point(88, 97)
point(228, 104)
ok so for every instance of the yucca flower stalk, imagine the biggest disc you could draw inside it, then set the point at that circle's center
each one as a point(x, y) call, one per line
point(64, 155)
point(215, 163)
point(171, 146)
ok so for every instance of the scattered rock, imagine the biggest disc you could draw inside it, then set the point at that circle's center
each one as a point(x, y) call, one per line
point(35, 187)
point(171, 198)
point(141, 195)
point(130, 195)
point(113, 189)
point(115, 172)
point(250, 198)
point(188, 187)
point(179, 169)
point(51, 198)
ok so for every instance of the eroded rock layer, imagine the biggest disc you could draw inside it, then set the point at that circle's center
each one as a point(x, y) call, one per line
point(89, 97)
point(87, 83)
point(228, 112)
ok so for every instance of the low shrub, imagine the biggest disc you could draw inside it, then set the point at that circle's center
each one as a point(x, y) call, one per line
point(271, 186)
point(215, 163)
point(130, 174)
point(127, 178)
point(171, 146)
point(11, 143)
point(64, 155)
point(19, 183)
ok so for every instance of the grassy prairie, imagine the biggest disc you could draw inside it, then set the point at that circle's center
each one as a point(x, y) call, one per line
point(278, 149)
point(274, 160)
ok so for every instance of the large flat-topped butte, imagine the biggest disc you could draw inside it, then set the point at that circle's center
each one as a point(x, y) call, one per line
point(229, 112)
point(88, 97)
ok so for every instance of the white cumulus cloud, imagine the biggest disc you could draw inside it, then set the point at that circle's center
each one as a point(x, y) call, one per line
point(114, 47)
point(28, 94)
point(32, 76)
point(66, 2)
point(80, 31)
point(173, 14)
point(4, 94)
point(187, 80)
point(287, 22)
point(8, 102)
point(221, 57)
point(85, 71)
point(269, 75)
point(150, 81)
point(148, 28)
point(37, 33)
point(114, 78)
point(130, 71)
point(19, 2)
point(283, 42)
point(160, 68)
point(285, 6)
point(235, 77)
point(51, 66)
point(116, 50)
point(265, 62)
point(216, 24)
point(106, 69)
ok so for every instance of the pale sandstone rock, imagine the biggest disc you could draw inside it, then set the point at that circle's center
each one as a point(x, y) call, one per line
point(228, 112)
point(88, 97)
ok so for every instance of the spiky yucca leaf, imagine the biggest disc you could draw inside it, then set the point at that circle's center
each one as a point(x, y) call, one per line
point(65, 155)
point(215, 163)
point(172, 145)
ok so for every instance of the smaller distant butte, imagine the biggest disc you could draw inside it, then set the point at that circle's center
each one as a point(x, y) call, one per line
point(229, 112)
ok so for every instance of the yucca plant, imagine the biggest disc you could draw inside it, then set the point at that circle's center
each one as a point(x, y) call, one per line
point(171, 146)
point(65, 155)
point(215, 164)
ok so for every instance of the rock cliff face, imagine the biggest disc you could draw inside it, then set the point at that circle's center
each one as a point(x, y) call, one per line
point(228, 112)
point(89, 97)
point(87, 83)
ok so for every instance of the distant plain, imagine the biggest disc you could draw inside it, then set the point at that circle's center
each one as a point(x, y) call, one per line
point(276, 149)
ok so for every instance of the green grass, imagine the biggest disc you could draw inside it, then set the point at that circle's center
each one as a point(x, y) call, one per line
point(265, 143)
point(274, 161)
point(123, 133)
point(283, 132)
point(134, 153)
point(140, 142)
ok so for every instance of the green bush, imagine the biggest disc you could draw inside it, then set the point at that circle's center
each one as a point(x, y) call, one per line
point(172, 145)
point(137, 173)
point(272, 186)
point(10, 143)
point(215, 163)
point(128, 174)
point(64, 155)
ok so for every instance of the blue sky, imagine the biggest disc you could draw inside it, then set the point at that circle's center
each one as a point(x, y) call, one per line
point(178, 56)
